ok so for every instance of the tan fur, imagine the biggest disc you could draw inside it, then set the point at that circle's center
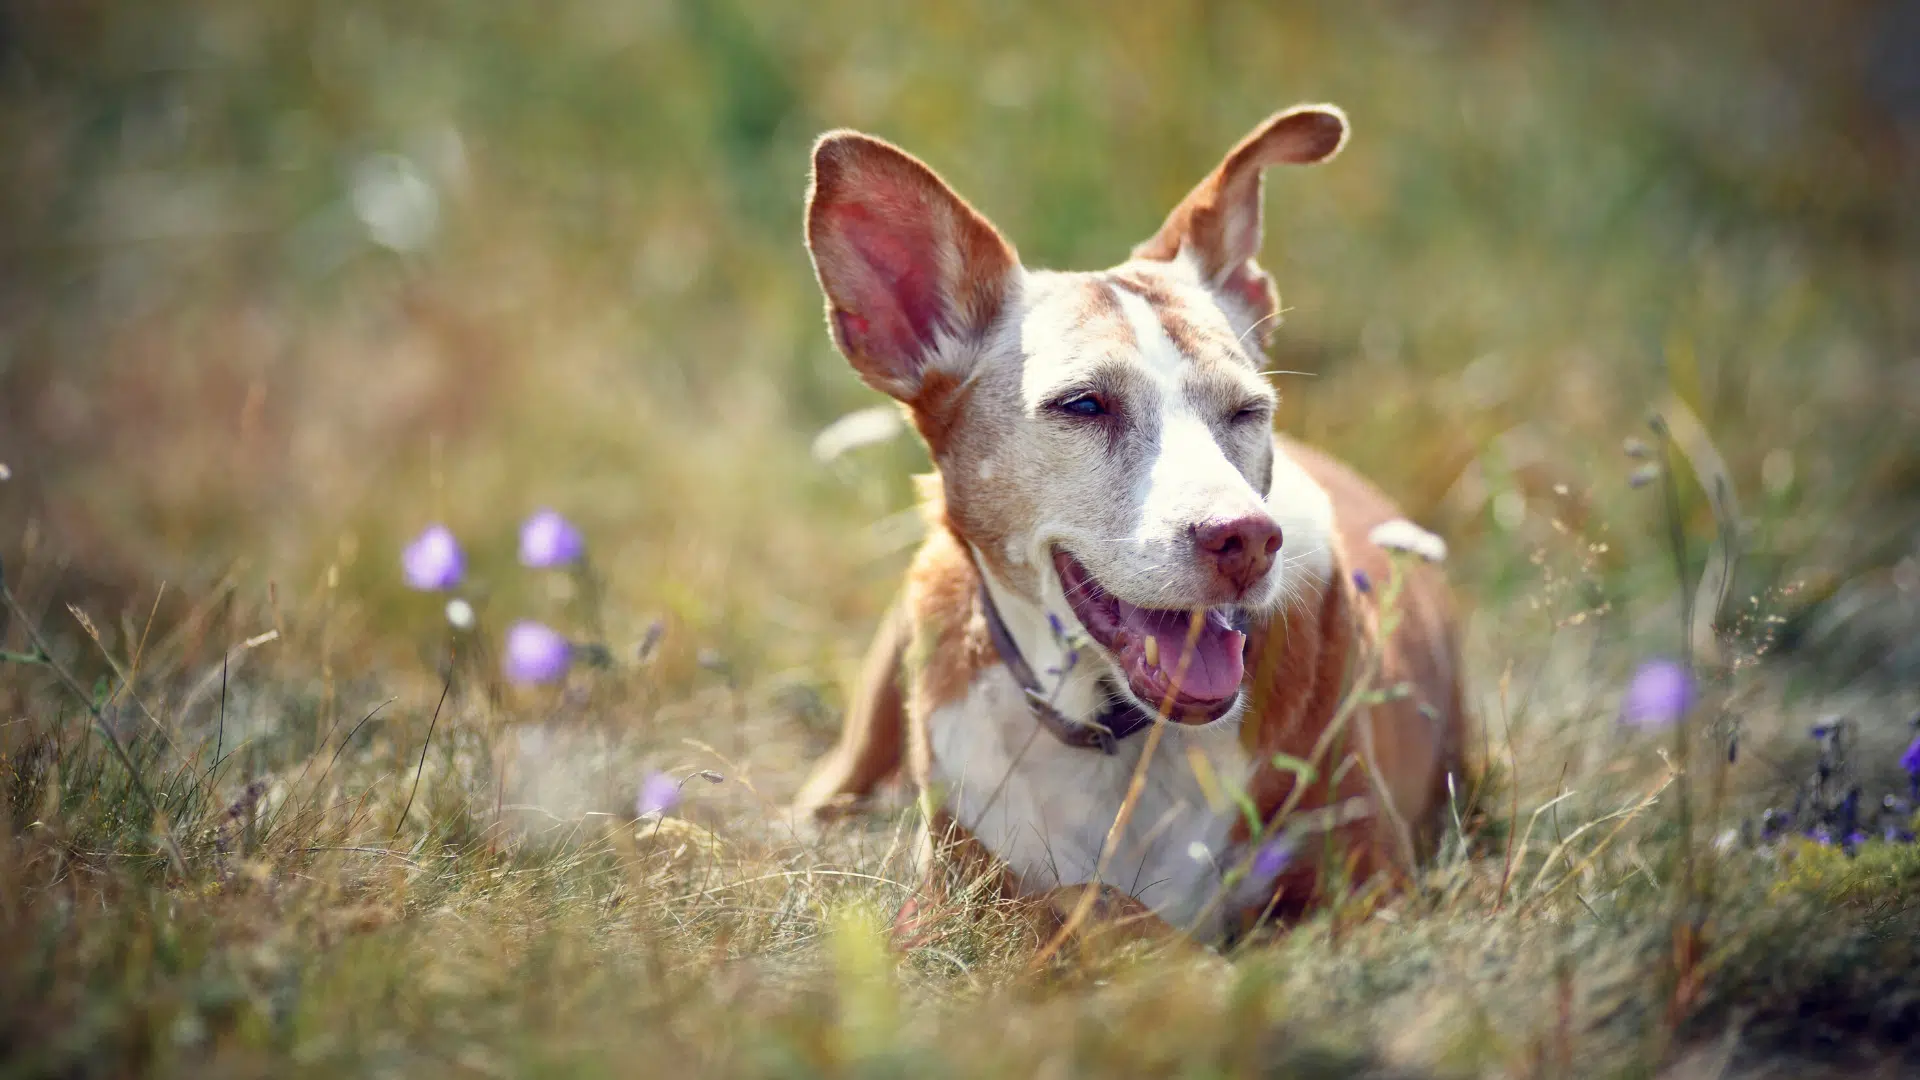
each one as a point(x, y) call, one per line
point(1302, 671)
point(959, 864)
point(1186, 337)
point(930, 305)
point(1299, 674)
point(872, 734)
point(951, 644)
point(955, 863)
point(1218, 223)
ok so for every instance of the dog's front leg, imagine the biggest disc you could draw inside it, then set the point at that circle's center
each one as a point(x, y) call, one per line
point(955, 868)
point(1110, 919)
point(873, 734)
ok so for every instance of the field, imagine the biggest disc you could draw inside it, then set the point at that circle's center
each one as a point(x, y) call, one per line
point(283, 283)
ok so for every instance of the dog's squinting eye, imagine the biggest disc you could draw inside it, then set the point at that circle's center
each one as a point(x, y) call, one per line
point(1249, 413)
point(1088, 405)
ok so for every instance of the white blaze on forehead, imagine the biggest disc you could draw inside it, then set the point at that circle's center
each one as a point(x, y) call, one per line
point(1191, 477)
point(1162, 359)
point(1055, 320)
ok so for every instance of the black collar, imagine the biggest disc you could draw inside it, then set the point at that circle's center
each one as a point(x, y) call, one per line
point(1119, 719)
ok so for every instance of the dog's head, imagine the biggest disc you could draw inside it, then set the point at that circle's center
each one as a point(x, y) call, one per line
point(1104, 439)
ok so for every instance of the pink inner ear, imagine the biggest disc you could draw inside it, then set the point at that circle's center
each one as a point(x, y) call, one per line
point(890, 306)
point(1250, 287)
point(852, 326)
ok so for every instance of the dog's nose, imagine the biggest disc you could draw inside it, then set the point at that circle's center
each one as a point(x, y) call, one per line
point(1239, 549)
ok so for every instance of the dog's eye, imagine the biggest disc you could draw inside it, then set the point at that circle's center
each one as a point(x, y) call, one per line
point(1083, 405)
point(1249, 413)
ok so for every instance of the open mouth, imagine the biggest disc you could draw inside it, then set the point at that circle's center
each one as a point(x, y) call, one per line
point(1165, 658)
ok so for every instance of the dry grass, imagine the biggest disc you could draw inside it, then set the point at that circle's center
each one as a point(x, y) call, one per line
point(213, 375)
point(318, 930)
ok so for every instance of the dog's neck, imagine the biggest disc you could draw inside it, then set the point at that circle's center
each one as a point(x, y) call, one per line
point(1070, 674)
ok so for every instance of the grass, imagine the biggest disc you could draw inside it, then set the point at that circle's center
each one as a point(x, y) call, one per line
point(238, 371)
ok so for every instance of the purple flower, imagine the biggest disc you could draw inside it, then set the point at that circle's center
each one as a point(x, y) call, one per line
point(1270, 861)
point(1362, 582)
point(1821, 835)
point(1910, 760)
point(548, 540)
point(659, 794)
point(1660, 693)
point(535, 653)
point(433, 561)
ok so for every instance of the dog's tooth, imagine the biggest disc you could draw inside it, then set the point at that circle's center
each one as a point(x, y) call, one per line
point(1153, 651)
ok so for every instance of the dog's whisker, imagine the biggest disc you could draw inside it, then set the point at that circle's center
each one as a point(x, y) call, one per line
point(1258, 323)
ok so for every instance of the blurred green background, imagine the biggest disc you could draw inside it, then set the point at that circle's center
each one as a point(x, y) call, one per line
point(282, 282)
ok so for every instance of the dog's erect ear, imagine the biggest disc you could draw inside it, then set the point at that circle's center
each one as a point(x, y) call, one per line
point(1218, 223)
point(908, 267)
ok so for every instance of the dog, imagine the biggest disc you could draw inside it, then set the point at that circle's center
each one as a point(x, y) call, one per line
point(1136, 601)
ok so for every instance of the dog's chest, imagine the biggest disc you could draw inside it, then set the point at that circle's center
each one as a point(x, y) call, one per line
point(1045, 808)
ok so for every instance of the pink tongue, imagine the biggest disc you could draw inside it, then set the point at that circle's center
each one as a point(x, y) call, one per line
point(1214, 671)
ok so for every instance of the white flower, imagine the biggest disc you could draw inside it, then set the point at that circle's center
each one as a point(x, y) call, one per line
point(1403, 535)
point(460, 614)
point(862, 427)
point(396, 203)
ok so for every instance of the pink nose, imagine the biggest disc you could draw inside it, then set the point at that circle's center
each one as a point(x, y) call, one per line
point(1240, 550)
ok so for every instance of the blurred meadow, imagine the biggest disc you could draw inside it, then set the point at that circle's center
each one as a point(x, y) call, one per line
point(282, 283)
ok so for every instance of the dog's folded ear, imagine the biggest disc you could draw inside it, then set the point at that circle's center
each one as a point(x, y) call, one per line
point(1218, 223)
point(911, 272)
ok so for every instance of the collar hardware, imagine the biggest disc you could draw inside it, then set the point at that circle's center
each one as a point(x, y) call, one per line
point(1118, 720)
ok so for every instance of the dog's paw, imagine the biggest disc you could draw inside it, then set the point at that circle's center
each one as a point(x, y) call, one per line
point(1111, 918)
point(811, 819)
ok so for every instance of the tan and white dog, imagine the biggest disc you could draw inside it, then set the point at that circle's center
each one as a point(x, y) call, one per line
point(1120, 537)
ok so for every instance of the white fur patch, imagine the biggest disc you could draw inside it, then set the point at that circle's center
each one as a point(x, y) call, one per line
point(1016, 555)
point(1305, 513)
point(1403, 535)
point(1156, 348)
point(1054, 804)
point(1045, 808)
